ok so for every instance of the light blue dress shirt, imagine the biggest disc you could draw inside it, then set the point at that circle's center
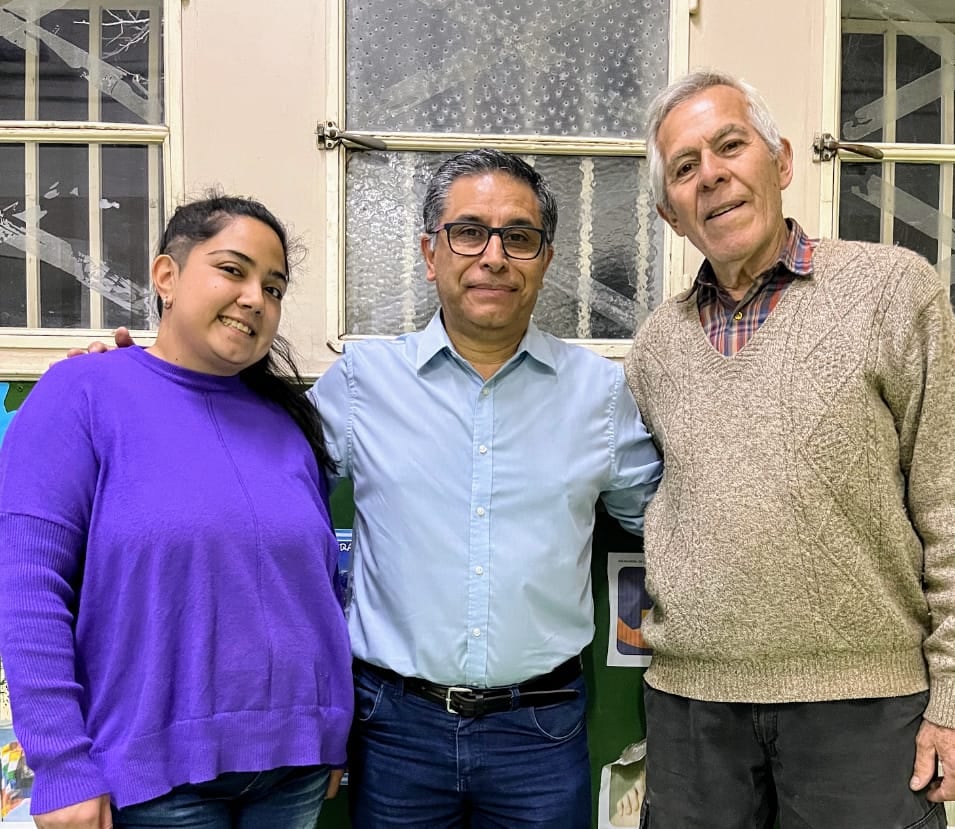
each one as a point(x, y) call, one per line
point(474, 499)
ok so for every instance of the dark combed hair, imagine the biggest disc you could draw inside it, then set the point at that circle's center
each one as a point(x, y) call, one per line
point(275, 377)
point(481, 161)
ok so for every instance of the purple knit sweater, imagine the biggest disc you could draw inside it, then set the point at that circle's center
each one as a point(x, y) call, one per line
point(166, 584)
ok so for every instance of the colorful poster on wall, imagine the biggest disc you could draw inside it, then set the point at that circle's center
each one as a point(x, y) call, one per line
point(629, 605)
point(344, 564)
point(16, 778)
point(5, 416)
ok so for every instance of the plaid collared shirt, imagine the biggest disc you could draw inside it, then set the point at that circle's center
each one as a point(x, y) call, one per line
point(729, 324)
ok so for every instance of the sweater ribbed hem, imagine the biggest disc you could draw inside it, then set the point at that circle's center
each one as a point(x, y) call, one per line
point(809, 678)
point(941, 702)
point(144, 768)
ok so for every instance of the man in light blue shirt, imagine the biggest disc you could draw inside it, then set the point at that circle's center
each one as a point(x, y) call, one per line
point(478, 449)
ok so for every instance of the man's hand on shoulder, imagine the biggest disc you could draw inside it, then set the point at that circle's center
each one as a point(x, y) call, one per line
point(121, 337)
point(934, 743)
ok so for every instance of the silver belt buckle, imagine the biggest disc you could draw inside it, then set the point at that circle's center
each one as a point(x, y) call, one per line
point(447, 697)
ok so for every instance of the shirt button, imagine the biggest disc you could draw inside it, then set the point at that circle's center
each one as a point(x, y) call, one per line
point(480, 511)
point(482, 449)
point(738, 316)
point(479, 570)
point(476, 632)
point(485, 392)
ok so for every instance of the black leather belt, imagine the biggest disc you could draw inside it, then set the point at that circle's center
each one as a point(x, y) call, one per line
point(546, 689)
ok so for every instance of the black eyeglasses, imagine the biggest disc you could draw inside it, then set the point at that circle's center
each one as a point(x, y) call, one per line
point(470, 239)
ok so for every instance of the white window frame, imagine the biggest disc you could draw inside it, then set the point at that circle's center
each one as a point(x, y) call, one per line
point(26, 352)
point(674, 279)
point(893, 151)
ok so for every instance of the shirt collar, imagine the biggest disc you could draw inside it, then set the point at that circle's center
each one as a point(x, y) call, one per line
point(434, 339)
point(795, 257)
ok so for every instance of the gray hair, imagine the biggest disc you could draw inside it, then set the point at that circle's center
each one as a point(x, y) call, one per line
point(478, 162)
point(684, 89)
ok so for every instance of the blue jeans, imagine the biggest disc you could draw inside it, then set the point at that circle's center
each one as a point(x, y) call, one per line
point(289, 797)
point(412, 764)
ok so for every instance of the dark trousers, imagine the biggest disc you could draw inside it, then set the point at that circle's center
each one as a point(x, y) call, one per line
point(817, 765)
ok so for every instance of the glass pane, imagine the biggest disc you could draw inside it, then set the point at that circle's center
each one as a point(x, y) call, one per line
point(12, 76)
point(860, 216)
point(64, 235)
point(917, 221)
point(920, 218)
point(13, 271)
point(550, 67)
point(919, 79)
point(63, 93)
point(126, 41)
point(118, 80)
point(862, 57)
point(56, 225)
point(124, 216)
point(606, 274)
point(896, 80)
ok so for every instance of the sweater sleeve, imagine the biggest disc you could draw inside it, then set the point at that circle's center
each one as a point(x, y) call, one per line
point(48, 471)
point(923, 404)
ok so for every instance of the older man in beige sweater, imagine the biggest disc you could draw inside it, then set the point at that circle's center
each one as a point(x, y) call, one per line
point(801, 547)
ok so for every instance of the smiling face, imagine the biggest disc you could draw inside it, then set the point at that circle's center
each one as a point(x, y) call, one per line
point(487, 298)
point(226, 299)
point(723, 185)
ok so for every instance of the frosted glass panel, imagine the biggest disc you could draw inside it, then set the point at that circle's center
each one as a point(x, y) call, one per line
point(551, 67)
point(605, 276)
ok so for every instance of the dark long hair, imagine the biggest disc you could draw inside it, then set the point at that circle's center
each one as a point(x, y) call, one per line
point(275, 377)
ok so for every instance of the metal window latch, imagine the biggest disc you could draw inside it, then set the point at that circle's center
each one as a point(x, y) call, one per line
point(826, 145)
point(330, 136)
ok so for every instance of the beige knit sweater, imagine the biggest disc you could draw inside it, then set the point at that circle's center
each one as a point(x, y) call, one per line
point(802, 543)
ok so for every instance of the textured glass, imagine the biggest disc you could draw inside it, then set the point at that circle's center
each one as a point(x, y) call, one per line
point(55, 43)
point(13, 271)
point(919, 221)
point(605, 276)
point(549, 67)
point(57, 227)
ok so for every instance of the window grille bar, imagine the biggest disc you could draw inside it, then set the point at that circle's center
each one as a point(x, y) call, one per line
point(889, 79)
point(31, 164)
point(585, 246)
point(947, 171)
point(95, 186)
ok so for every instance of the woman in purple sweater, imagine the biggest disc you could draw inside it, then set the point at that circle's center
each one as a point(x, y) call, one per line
point(171, 631)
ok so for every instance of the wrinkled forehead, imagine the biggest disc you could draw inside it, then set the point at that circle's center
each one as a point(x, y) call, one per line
point(704, 119)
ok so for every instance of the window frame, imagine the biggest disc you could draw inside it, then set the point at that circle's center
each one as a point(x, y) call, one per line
point(680, 12)
point(893, 152)
point(26, 352)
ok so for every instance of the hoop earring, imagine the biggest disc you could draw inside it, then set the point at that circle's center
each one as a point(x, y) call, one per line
point(166, 303)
